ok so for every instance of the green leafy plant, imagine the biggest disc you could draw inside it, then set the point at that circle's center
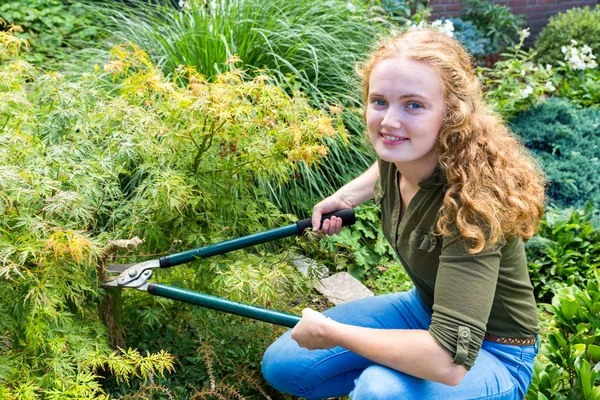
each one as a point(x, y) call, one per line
point(515, 82)
point(119, 152)
point(357, 249)
point(498, 23)
point(578, 76)
point(398, 12)
point(55, 29)
point(573, 348)
point(310, 46)
point(471, 37)
point(580, 24)
point(565, 139)
point(567, 246)
point(388, 278)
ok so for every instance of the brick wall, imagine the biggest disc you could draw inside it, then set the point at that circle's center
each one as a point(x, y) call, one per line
point(535, 12)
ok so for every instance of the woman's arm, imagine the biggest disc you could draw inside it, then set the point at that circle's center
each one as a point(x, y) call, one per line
point(350, 195)
point(413, 352)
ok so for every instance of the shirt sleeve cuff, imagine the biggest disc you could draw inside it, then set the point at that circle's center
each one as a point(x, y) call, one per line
point(461, 339)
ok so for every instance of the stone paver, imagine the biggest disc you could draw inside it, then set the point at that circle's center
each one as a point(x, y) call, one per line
point(341, 288)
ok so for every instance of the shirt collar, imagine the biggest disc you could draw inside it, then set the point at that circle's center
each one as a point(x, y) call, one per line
point(437, 178)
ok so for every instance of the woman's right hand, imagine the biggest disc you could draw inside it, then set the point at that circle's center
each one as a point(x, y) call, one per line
point(327, 205)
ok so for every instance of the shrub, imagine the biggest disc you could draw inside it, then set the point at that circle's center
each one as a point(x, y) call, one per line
point(573, 348)
point(123, 151)
point(515, 82)
point(54, 28)
point(578, 76)
point(398, 12)
point(311, 46)
point(358, 248)
point(580, 24)
point(498, 23)
point(566, 141)
point(471, 37)
point(567, 246)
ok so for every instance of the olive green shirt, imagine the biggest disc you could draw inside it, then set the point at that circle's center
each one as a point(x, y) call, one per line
point(469, 294)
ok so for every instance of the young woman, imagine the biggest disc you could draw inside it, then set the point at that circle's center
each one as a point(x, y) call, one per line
point(459, 195)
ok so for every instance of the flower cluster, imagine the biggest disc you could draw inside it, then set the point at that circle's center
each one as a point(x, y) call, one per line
point(579, 58)
point(446, 26)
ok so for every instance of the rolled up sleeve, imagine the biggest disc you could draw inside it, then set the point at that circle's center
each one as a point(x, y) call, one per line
point(464, 293)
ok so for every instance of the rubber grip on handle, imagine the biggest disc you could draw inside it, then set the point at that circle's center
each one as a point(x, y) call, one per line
point(346, 214)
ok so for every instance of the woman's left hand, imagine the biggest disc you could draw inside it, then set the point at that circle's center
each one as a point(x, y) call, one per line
point(313, 331)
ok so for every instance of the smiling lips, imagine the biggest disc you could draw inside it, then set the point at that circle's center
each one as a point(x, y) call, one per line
point(389, 139)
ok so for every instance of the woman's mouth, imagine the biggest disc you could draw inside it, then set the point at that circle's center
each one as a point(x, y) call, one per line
point(394, 140)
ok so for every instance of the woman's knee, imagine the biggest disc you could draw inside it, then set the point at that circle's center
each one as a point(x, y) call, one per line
point(381, 383)
point(278, 365)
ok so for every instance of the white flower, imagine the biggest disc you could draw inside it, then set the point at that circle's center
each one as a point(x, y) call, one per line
point(350, 7)
point(550, 86)
point(184, 4)
point(526, 92)
point(549, 68)
point(446, 27)
point(574, 42)
point(564, 49)
point(523, 72)
point(586, 49)
point(210, 27)
point(525, 33)
point(415, 27)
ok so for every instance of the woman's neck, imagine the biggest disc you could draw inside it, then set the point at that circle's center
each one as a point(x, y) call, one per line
point(414, 173)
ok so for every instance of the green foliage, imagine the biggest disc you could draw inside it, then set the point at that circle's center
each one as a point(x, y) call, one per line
point(573, 348)
point(566, 141)
point(118, 152)
point(567, 247)
point(398, 12)
point(472, 38)
point(311, 46)
point(580, 87)
point(580, 24)
point(388, 279)
point(357, 249)
point(578, 76)
point(498, 23)
point(515, 83)
point(54, 28)
point(214, 352)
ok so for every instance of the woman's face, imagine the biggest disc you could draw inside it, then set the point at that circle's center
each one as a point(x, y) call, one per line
point(404, 111)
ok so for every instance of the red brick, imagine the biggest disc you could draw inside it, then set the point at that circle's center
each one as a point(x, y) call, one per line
point(522, 10)
point(453, 7)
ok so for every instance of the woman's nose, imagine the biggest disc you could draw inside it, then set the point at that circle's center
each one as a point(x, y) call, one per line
point(392, 119)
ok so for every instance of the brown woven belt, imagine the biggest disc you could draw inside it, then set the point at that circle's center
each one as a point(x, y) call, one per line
point(511, 341)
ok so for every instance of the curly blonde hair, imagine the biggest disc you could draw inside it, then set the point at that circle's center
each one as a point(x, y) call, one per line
point(496, 188)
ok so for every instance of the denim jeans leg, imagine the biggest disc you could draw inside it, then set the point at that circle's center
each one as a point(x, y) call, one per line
point(501, 372)
point(328, 373)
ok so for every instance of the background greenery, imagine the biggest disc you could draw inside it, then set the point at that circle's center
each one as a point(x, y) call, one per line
point(117, 144)
point(580, 24)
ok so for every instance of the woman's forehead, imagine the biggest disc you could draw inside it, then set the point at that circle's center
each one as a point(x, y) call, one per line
point(405, 75)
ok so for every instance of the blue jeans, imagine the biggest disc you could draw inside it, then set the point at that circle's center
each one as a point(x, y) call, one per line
point(500, 372)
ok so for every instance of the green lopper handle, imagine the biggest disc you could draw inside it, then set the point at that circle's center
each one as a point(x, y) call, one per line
point(228, 306)
point(347, 216)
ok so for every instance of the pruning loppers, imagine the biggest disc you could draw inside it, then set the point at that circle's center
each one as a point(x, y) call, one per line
point(136, 276)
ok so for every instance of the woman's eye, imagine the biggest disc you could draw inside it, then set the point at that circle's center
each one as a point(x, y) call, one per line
point(379, 102)
point(414, 106)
